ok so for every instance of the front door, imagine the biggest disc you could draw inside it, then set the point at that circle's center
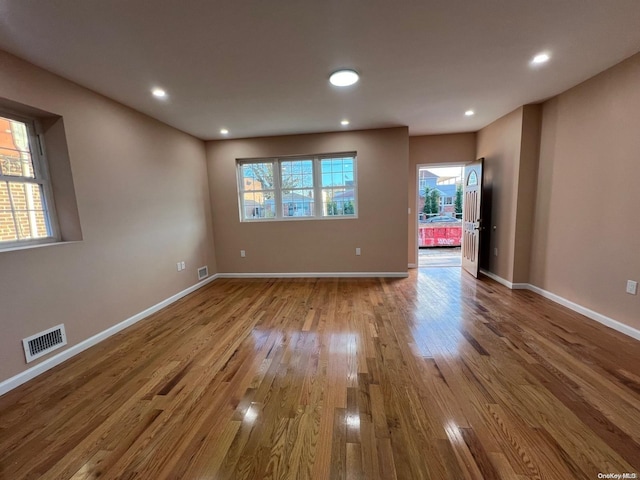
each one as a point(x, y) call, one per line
point(471, 221)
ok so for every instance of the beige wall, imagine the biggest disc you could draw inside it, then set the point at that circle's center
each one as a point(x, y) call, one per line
point(316, 245)
point(587, 234)
point(526, 195)
point(434, 149)
point(500, 145)
point(142, 199)
point(563, 170)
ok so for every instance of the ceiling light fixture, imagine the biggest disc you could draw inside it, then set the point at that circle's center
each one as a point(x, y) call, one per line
point(469, 113)
point(540, 59)
point(224, 131)
point(158, 93)
point(344, 78)
point(344, 122)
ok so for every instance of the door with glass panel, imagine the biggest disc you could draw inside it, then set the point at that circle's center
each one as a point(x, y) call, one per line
point(471, 221)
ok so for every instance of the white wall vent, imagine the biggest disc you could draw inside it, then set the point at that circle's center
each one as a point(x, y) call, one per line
point(42, 343)
point(203, 272)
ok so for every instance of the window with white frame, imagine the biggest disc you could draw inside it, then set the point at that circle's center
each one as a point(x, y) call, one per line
point(26, 204)
point(289, 188)
point(297, 189)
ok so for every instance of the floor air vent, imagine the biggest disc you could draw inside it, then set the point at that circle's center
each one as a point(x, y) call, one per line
point(42, 343)
point(203, 272)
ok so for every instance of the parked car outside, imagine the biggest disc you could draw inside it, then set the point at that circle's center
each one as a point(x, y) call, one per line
point(442, 219)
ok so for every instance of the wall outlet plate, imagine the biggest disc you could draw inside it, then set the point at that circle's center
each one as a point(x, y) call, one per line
point(243, 253)
point(632, 287)
point(358, 251)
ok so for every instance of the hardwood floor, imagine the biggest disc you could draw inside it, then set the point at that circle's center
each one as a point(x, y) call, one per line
point(435, 376)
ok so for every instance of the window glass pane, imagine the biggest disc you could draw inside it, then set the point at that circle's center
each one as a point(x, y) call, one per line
point(296, 174)
point(307, 180)
point(258, 205)
point(15, 156)
point(5, 204)
point(298, 203)
point(339, 175)
point(7, 228)
point(257, 176)
point(337, 172)
point(297, 188)
point(7, 225)
point(31, 224)
point(22, 206)
point(326, 179)
point(338, 201)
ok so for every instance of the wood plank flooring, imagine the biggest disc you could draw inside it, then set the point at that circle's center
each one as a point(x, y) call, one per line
point(437, 376)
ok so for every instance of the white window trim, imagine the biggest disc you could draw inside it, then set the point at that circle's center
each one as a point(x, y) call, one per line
point(317, 187)
point(41, 171)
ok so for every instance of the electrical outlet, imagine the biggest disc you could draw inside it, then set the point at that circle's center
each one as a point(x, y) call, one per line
point(243, 253)
point(357, 251)
point(183, 265)
point(632, 287)
point(179, 265)
point(495, 252)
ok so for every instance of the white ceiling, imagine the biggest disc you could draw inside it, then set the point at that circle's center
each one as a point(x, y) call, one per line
point(260, 67)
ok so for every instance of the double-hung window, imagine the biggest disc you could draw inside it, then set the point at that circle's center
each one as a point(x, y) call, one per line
point(296, 187)
point(338, 185)
point(257, 190)
point(305, 187)
point(26, 205)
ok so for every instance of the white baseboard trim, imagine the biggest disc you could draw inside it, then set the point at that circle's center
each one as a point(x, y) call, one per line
point(23, 377)
point(495, 277)
point(593, 315)
point(412, 265)
point(55, 360)
point(316, 275)
point(502, 281)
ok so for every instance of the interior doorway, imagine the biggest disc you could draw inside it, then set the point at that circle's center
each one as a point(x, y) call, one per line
point(439, 215)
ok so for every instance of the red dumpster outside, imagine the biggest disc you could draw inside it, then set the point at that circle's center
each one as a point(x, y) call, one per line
point(439, 235)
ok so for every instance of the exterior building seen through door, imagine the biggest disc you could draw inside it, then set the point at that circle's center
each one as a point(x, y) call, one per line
point(439, 215)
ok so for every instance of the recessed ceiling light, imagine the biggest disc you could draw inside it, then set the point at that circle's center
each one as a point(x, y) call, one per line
point(540, 59)
point(344, 78)
point(468, 113)
point(344, 122)
point(158, 93)
point(224, 131)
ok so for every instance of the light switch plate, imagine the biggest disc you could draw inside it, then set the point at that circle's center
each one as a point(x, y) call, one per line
point(632, 287)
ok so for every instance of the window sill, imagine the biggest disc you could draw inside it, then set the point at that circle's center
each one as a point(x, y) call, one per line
point(299, 219)
point(54, 243)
